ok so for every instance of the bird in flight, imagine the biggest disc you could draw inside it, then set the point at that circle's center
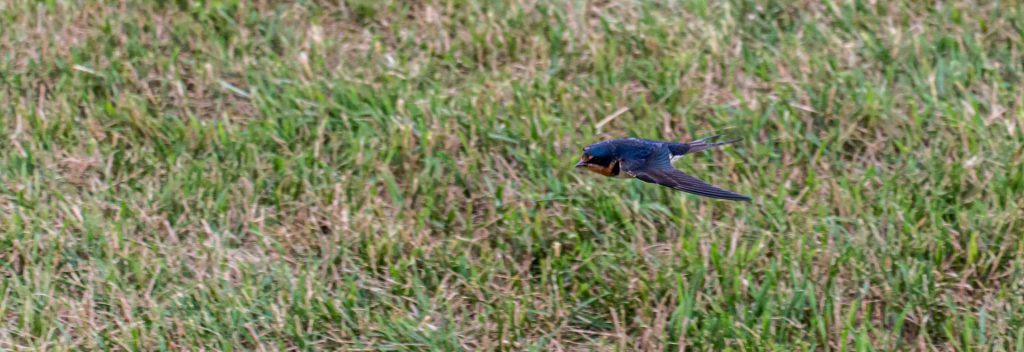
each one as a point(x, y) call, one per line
point(651, 162)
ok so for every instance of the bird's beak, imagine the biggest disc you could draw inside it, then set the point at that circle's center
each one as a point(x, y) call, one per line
point(580, 164)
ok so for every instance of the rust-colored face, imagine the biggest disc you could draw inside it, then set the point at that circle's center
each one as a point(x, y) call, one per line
point(605, 167)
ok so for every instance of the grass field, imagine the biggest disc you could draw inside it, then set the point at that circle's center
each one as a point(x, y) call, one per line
point(390, 175)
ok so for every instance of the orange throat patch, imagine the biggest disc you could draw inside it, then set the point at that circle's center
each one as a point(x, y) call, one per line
point(607, 171)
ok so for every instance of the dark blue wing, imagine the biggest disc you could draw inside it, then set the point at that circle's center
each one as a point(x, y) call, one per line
point(658, 169)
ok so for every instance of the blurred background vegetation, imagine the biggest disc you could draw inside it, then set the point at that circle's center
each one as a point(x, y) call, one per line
point(392, 175)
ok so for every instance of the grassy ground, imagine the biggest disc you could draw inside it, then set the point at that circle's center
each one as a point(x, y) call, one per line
point(398, 175)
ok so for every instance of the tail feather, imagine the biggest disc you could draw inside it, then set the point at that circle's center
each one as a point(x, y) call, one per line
point(707, 143)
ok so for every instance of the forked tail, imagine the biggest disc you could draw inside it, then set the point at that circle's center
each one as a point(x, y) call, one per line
point(707, 143)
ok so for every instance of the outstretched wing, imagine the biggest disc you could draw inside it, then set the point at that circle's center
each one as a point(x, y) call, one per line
point(658, 169)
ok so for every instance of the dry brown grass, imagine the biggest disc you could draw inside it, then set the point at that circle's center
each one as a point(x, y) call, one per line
point(393, 176)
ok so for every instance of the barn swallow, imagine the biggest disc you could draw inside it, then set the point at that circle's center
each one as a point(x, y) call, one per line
point(651, 162)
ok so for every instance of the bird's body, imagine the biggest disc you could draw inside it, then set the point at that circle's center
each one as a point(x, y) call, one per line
point(651, 161)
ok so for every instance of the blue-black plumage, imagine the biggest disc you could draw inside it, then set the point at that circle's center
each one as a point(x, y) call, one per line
point(651, 161)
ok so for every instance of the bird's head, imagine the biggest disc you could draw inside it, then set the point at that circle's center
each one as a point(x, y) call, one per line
point(599, 158)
